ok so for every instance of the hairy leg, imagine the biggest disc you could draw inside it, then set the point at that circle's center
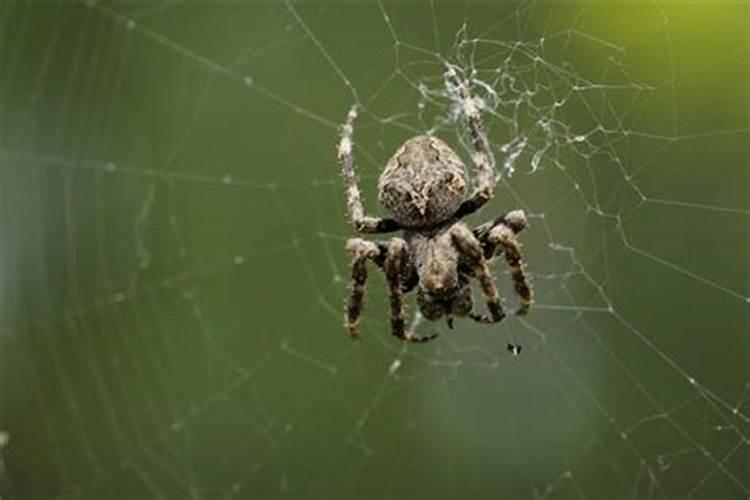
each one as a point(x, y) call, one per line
point(505, 238)
point(514, 220)
point(396, 266)
point(362, 223)
point(483, 158)
point(499, 236)
point(362, 251)
point(470, 248)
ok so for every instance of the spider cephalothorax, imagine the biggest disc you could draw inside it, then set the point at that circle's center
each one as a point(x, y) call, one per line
point(424, 187)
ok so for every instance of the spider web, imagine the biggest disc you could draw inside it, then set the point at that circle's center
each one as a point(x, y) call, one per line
point(173, 269)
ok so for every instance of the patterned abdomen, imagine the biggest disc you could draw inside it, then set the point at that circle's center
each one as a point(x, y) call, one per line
point(423, 183)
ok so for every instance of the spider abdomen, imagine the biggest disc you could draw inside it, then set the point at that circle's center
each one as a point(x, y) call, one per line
point(423, 183)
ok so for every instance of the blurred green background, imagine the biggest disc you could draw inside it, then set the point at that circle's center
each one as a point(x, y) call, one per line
point(173, 274)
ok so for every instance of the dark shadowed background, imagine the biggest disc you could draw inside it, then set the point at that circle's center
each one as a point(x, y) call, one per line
point(172, 272)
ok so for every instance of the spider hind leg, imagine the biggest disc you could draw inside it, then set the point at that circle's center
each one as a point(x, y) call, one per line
point(471, 250)
point(362, 251)
point(393, 259)
point(499, 236)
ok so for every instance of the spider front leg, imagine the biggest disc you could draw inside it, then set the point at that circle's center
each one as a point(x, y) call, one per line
point(396, 267)
point(471, 250)
point(499, 236)
point(362, 223)
point(483, 158)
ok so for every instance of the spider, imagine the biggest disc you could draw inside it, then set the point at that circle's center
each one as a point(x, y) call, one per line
point(423, 187)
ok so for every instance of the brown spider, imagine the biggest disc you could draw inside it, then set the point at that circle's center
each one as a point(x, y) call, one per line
point(423, 186)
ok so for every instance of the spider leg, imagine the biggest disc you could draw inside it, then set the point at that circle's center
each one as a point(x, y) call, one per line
point(504, 237)
point(470, 248)
point(515, 221)
point(362, 251)
point(396, 266)
point(483, 158)
point(499, 236)
point(362, 223)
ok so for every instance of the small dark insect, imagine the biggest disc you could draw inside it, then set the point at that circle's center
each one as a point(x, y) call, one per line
point(515, 349)
point(423, 186)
